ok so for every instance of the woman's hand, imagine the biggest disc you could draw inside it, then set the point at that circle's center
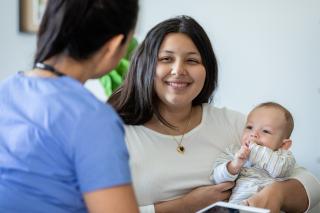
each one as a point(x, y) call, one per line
point(289, 196)
point(197, 198)
point(206, 195)
point(269, 198)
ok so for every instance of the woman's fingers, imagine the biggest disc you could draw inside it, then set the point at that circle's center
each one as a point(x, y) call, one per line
point(224, 186)
point(206, 195)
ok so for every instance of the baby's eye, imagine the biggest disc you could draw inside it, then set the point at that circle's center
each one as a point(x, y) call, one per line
point(248, 127)
point(266, 131)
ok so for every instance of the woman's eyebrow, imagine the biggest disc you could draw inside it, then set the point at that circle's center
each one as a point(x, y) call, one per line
point(187, 53)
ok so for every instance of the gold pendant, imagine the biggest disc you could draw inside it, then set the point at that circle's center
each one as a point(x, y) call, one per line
point(180, 149)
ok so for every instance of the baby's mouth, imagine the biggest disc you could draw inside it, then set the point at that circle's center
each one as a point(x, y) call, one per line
point(255, 141)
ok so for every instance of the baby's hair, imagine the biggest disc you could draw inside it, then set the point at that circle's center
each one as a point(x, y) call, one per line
point(288, 116)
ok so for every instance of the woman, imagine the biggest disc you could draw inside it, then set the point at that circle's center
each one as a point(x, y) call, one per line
point(61, 150)
point(174, 136)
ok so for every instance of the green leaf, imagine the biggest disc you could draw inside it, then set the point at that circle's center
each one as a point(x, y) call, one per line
point(106, 84)
point(112, 80)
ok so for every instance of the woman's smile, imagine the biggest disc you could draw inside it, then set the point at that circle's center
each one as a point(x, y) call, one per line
point(178, 85)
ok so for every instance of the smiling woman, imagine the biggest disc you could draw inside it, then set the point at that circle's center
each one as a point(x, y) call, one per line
point(172, 133)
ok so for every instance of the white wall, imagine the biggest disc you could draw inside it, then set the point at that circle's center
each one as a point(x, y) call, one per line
point(16, 49)
point(267, 50)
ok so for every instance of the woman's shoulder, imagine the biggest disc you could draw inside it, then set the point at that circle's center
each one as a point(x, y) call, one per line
point(222, 112)
point(79, 101)
point(134, 130)
point(223, 117)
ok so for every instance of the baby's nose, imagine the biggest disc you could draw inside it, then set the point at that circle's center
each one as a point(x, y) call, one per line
point(253, 135)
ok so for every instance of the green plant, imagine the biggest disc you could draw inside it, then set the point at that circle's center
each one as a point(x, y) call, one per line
point(114, 79)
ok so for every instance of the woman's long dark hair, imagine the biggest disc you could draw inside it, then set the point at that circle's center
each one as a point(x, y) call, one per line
point(135, 100)
point(80, 27)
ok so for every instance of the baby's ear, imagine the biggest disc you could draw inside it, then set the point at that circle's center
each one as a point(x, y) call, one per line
point(286, 144)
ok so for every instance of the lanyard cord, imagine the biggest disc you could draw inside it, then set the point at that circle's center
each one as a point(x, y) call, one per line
point(43, 66)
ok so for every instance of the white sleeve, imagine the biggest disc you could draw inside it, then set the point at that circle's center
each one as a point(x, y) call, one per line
point(278, 163)
point(220, 172)
point(310, 184)
point(147, 209)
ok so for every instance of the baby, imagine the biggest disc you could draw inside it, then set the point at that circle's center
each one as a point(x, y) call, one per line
point(263, 156)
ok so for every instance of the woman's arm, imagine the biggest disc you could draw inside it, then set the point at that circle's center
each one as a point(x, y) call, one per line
point(196, 199)
point(289, 196)
point(116, 199)
point(300, 193)
point(310, 183)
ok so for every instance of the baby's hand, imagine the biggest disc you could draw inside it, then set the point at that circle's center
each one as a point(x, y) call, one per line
point(240, 158)
point(243, 154)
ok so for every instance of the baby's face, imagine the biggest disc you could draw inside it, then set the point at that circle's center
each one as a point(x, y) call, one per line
point(266, 126)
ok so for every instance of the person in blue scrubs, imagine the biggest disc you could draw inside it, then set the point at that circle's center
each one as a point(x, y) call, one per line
point(62, 150)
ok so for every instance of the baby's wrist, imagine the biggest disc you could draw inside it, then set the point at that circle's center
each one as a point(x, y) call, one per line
point(233, 167)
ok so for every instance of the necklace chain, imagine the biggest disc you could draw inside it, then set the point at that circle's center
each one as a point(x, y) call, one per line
point(180, 148)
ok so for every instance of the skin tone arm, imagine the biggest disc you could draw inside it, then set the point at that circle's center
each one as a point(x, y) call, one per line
point(196, 199)
point(289, 196)
point(117, 199)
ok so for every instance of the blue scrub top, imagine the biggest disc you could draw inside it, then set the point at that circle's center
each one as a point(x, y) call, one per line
point(57, 141)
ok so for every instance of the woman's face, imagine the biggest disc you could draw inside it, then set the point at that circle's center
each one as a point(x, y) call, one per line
point(180, 74)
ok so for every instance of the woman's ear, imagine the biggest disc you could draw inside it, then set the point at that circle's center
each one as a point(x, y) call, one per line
point(113, 46)
point(110, 53)
point(286, 144)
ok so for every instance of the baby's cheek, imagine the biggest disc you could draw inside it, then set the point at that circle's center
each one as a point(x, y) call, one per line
point(244, 139)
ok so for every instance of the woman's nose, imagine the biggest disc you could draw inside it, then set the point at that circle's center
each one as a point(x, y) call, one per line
point(178, 69)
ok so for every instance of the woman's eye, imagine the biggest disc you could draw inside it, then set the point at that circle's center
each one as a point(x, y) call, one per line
point(165, 59)
point(193, 61)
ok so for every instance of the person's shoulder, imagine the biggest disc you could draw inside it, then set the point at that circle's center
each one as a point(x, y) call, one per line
point(10, 80)
point(222, 112)
point(93, 110)
point(80, 99)
point(73, 104)
point(224, 116)
point(88, 102)
point(133, 129)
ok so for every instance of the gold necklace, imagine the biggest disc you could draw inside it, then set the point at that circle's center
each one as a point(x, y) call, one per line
point(180, 148)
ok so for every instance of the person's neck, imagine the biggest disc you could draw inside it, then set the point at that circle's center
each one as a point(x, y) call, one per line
point(79, 70)
point(177, 116)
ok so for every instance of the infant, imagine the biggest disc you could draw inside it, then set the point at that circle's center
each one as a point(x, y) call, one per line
point(263, 156)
